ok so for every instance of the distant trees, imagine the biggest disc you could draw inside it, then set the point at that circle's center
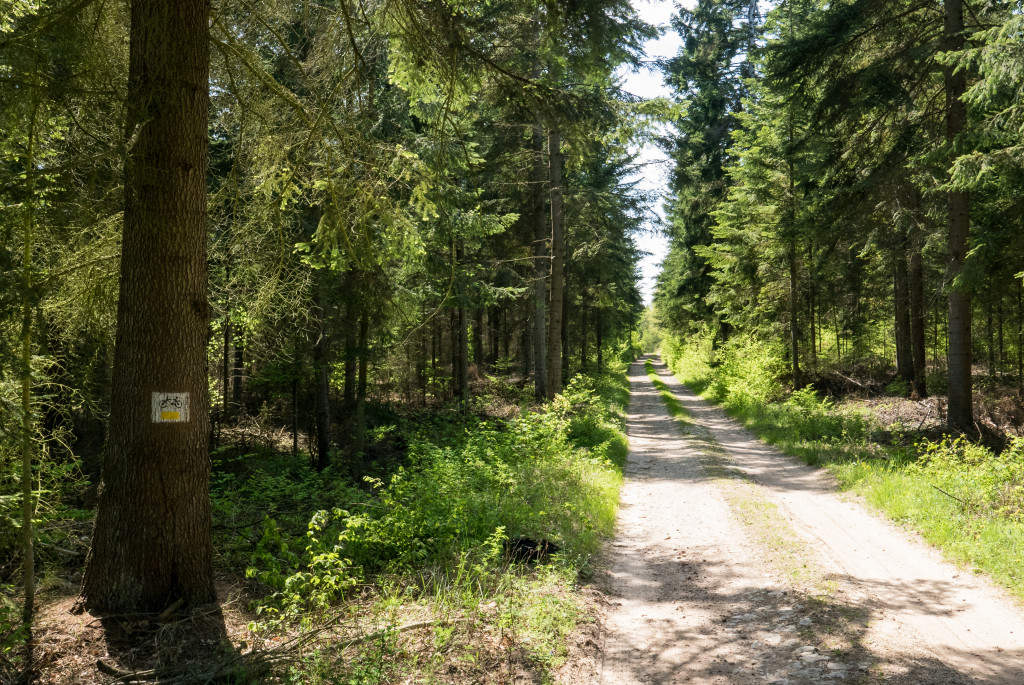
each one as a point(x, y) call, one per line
point(844, 191)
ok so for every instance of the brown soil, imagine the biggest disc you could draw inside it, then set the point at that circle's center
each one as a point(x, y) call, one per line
point(735, 564)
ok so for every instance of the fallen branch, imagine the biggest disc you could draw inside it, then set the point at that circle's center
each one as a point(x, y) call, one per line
point(951, 496)
point(850, 380)
point(407, 627)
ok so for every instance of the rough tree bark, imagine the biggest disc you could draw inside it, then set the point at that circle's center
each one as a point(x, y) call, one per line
point(794, 308)
point(584, 325)
point(554, 351)
point(478, 336)
point(917, 320)
point(349, 383)
point(901, 310)
point(960, 412)
point(151, 542)
point(364, 357)
point(540, 261)
point(238, 373)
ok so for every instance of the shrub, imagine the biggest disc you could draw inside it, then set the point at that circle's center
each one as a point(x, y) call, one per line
point(469, 483)
point(985, 483)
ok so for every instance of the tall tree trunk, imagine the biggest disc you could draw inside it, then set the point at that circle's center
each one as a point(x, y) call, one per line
point(1020, 334)
point(989, 338)
point(28, 562)
point(478, 336)
point(554, 351)
point(526, 345)
point(364, 357)
point(238, 373)
point(349, 384)
point(151, 541)
point(435, 336)
point(295, 414)
point(901, 307)
point(540, 262)
point(226, 360)
point(584, 325)
point(1001, 359)
point(463, 335)
point(321, 366)
point(566, 350)
point(794, 308)
point(453, 352)
point(917, 321)
point(599, 329)
point(812, 282)
point(960, 411)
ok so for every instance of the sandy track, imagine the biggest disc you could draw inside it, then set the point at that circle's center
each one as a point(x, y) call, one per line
point(735, 564)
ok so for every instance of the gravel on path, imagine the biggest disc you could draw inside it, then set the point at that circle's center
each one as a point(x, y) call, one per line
point(736, 564)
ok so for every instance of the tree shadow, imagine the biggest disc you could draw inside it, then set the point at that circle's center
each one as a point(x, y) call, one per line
point(179, 646)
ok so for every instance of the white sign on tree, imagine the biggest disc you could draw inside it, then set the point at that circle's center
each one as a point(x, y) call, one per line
point(170, 407)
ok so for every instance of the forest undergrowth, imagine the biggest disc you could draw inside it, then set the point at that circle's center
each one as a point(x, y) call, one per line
point(963, 497)
point(457, 560)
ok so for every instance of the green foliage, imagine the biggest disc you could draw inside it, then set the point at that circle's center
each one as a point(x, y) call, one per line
point(468, 484)
point(986, 484)
point(742, 372)
point(748, 385)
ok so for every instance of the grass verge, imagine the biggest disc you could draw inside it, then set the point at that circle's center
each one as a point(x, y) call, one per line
point(961, 497)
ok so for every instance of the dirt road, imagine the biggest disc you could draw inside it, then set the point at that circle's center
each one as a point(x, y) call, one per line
point(735, 564)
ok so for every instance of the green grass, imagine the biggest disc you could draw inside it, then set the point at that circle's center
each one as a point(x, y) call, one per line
point(675, 408)
point(961, 498)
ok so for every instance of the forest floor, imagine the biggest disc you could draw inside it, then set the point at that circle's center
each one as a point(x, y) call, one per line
point(736, 564)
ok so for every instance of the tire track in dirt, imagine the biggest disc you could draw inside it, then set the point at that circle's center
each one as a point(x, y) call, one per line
point(735, 564)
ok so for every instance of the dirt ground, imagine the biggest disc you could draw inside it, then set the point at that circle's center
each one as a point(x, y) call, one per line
point(735, 564)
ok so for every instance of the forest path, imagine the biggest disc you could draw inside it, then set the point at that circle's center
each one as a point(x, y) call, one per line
point(736, 564)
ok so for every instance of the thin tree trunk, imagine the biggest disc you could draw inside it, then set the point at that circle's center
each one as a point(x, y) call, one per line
point(152, 542)
point(599, 328)
point(28, 563)
point(349, 384)
point(364, 356)
point(960, 410)
point(526, 346)
point(322, 370)
point(226, 361)
point(566, 349)
point(584, 324)
point(1001, 358)
point(295, 414)
point(453, 352)
point(478, 336)
point(917, 320)
point(506, 334)
point(811, 285)
point(463, 334)
point(901, 307)
point(554, 351)
point(540, 263)
point(1020, 334)
point(435, 334)
point(238, 374)
point(794, 335)
point(989, 338)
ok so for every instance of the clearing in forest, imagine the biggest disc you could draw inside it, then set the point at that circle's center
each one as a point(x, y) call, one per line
point(735, 564)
